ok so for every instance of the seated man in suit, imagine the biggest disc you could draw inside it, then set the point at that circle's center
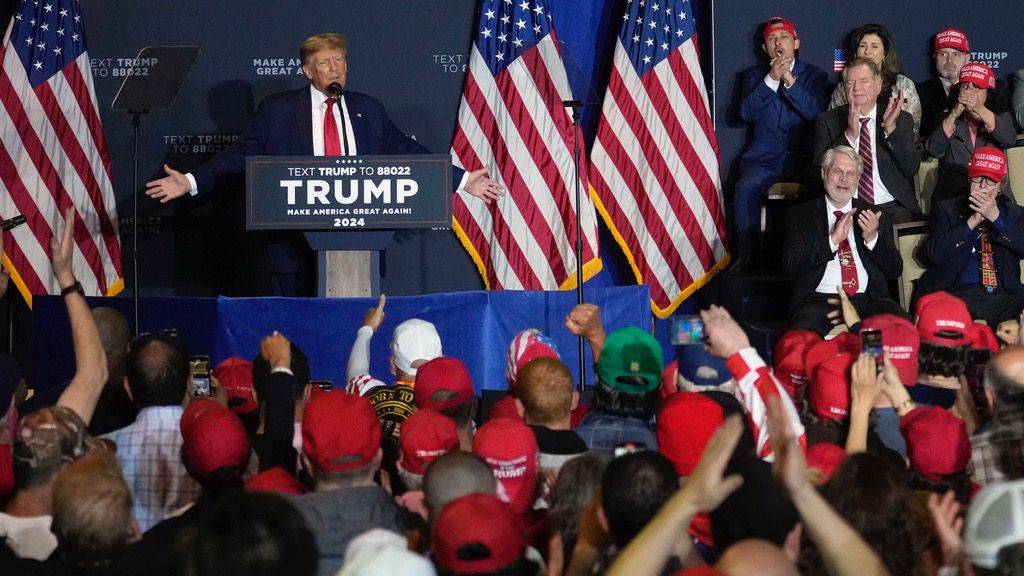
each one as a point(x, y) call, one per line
point(833, 243)
point(976, 243)
point(883, 136)
point(779, 101)
point(310, 121)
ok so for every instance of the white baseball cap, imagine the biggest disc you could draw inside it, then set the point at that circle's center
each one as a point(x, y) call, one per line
point(994, 521)
point(414, 340)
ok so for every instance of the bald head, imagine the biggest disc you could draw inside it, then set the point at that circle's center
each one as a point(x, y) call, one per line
point(756, 558)
point(1004, 377)
point(453, 475)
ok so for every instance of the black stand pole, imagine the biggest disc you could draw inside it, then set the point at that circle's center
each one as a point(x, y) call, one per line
point(138, 95)
point(136, 122)
point(574, 105)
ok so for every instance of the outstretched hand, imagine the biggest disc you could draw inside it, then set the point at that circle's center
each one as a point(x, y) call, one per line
point(479, 184)
point(172, 186)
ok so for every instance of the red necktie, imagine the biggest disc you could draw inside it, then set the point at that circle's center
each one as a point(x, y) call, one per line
point(866, 185)
point(987, 264)
point(847, 265)
point(332, 144)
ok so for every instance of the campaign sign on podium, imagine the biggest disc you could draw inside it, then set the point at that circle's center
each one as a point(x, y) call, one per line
point(348, 193)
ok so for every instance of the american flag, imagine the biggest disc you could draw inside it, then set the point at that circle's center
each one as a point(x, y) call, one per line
point(512, 121)
point(53, 153)
point(838, 59)
point(655, 159)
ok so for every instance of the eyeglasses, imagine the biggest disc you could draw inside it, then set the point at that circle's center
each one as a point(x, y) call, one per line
point(984, 182)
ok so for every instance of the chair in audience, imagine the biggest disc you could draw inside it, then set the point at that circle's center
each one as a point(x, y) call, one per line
point(908, 237)
point(924, 183)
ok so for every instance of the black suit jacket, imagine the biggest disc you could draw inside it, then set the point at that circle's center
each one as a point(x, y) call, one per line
point(933, 105)
point(283, 126)
point(950, 244)
point(895, 156)
point(807, 252)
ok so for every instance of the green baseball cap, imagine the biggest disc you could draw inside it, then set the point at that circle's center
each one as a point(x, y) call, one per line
point(631, 361)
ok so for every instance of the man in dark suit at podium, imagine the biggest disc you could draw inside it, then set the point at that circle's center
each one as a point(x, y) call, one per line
point(839, 242)
point(309, 121)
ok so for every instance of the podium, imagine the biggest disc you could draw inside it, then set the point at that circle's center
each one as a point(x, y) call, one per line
point(348, 208)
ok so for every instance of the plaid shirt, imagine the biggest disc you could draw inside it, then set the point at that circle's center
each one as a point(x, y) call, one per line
point(150, 455)
point(998, 453)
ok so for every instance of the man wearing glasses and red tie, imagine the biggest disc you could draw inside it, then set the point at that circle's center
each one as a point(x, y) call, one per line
point(976, 243)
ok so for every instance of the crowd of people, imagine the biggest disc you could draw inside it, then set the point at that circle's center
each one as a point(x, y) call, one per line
point(836, 459)
point(888, 120)
point(894, 446)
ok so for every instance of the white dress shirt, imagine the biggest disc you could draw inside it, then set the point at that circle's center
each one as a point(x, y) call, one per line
point(882, 194)
point(833, 276)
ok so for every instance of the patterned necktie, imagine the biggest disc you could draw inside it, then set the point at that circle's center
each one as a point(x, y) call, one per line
point(332, 144)
point(866, 185)
point(847, 265)
point(986, 263)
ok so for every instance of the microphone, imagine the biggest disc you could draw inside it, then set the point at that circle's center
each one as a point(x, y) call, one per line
point(337, 92)
point(11, 222)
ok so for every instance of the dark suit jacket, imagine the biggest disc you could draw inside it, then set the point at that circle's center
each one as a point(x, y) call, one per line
point(954, 153)
point(807, 252)
point(950, 243)
point(895, 156)
point(933, 105)
point(283, 127)
point(781, 123)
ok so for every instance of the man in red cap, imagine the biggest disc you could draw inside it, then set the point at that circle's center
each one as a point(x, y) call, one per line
point(977, 118)
point(341, 451)
point(780, 99)
point(951, 51)
point(976, 243)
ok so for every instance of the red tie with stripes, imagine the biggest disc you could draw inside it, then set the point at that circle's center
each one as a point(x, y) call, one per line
point(847, 265)
point(866, 185)
point(332, 143)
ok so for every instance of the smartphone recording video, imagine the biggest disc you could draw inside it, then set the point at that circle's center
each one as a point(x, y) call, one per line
point(199, 366)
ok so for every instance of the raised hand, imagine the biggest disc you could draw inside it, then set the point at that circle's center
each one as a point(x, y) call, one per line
point(374, 316)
